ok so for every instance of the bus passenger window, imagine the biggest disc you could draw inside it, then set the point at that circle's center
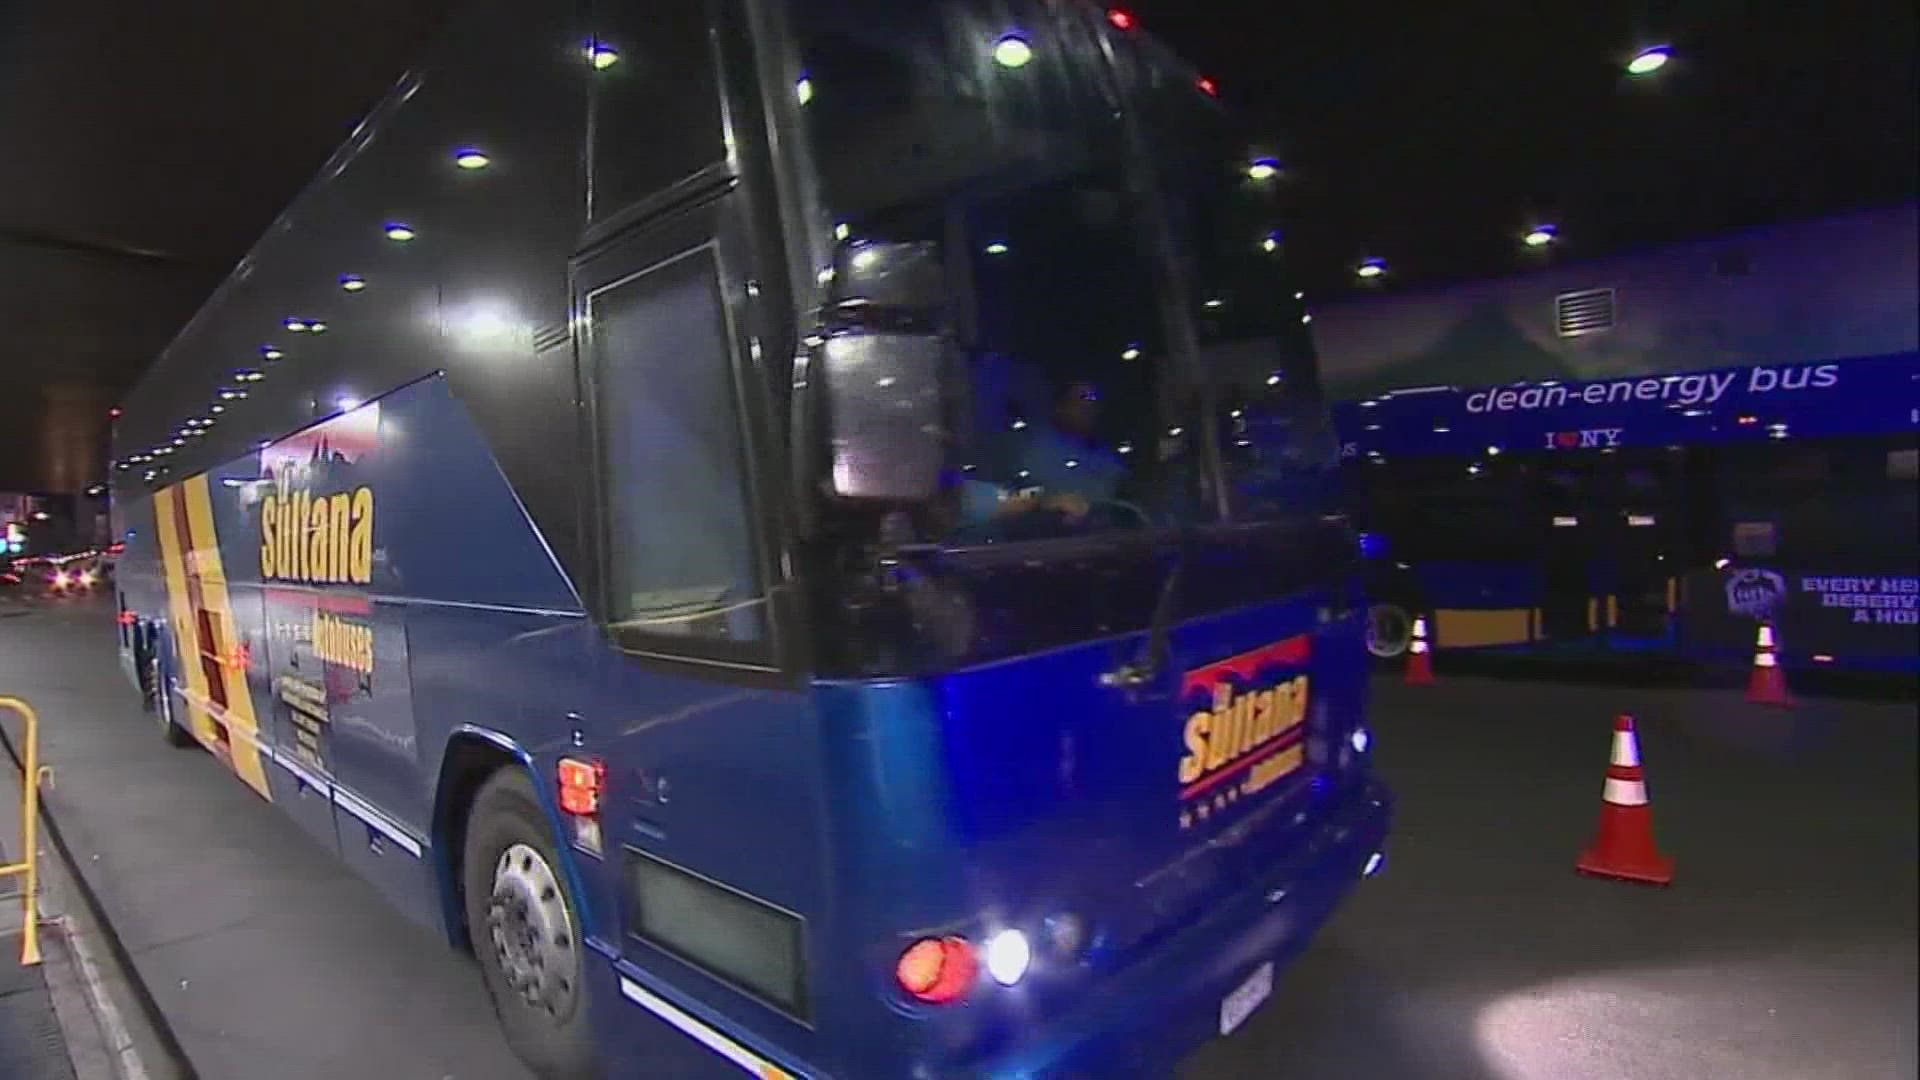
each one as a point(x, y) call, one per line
point(680, 551)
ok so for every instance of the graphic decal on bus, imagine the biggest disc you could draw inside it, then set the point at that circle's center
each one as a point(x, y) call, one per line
point(315, 515)
point(1755, 593)
point(1248, 732)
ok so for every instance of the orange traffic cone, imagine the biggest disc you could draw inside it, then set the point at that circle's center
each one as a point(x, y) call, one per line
point(1768, 686)
point(1624, 847)
point(1419, 657)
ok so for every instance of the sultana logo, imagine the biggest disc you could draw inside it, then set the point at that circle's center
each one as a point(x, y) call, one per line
point(317, 539)
point(1258, 732)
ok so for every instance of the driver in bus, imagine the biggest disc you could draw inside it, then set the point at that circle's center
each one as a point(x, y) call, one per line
point(1062, 466)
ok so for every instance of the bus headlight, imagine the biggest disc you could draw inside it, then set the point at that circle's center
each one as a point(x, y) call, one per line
point(1008, 956)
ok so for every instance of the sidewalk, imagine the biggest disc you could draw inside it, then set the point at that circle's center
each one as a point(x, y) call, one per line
point(54, 1017)
point(32, 1046)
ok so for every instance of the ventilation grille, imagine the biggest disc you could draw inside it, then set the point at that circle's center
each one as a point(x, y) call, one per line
point(550, 336)
point(1588, 311)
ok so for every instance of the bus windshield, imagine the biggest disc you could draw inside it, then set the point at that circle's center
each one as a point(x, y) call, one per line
point(1124, 370)
point(1081, 221)
point(987, 139)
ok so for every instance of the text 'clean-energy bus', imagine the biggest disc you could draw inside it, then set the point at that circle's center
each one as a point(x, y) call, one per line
point(744, 513)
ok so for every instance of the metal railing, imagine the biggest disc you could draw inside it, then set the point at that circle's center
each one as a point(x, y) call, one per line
point(28, 868)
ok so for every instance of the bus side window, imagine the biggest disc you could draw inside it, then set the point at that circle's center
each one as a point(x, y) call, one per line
point(679, 540)
point(656, 102)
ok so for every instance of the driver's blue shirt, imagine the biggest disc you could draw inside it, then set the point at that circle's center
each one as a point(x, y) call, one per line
point(1061, 463)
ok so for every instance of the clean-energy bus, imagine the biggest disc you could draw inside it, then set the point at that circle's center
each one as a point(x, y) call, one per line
point(723, 508)
point(1649, 453)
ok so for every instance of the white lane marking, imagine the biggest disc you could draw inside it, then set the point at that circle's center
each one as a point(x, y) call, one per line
point(700, 1032)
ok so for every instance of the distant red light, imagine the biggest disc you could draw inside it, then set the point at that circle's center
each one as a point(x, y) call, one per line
point(113, 413)
point(1208, 86)
point(128, 618)
point(1122, 20)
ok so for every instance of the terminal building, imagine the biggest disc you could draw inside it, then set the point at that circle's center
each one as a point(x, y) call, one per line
point(1650, 452)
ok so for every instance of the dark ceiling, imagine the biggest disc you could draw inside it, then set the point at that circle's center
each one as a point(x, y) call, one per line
point(144, 146)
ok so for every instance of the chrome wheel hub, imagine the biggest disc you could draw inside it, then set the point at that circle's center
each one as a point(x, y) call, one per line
point(532, 931)
point(1389, 630)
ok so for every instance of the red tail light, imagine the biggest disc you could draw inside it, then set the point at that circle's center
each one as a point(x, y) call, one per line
point(1122, 20)
point(1208, 86)
point(581, 784)
point(938, 970)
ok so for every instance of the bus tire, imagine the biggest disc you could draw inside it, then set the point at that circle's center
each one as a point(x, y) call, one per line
point(149, 671)
point(1389, 630)
point(171, 732)
point(525, 928)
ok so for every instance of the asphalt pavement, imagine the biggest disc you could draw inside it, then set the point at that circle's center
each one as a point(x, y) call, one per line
point(1784, 949)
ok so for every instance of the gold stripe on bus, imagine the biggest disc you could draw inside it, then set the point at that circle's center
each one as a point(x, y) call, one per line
point(233, 673)
point(186, 628)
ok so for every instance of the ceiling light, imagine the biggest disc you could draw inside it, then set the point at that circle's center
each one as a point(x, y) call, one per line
point(1650, 60)
point(1372, 268)
point(399, 231)
point(997, 248)
point(803, 90)
point(1012, 51)
point(352, 282)
point(297, 326)
point(268, 352)
point(469, 158)
point(1541, 235)
point(1263, 169)
point(601, 56)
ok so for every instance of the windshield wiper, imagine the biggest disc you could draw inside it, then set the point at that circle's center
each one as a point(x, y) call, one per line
point(1158, 647)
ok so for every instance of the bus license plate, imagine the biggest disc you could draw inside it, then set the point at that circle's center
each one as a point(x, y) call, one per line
point(1237, 1006)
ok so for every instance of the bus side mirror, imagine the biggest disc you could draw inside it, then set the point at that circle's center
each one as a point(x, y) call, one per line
point(886, 429)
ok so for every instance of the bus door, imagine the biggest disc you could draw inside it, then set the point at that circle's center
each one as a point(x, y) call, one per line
point(1645, 552)
point(1577, 531)
point(708, 859)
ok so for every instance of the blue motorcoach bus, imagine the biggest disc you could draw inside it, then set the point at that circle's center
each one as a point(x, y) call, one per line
point(1648, 455)
point(724, 507)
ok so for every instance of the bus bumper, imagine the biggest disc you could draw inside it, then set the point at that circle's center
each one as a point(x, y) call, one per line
point(1143, 1021)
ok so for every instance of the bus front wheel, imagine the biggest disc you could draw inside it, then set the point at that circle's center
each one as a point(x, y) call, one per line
point(525, 928)
point(1389, 630)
